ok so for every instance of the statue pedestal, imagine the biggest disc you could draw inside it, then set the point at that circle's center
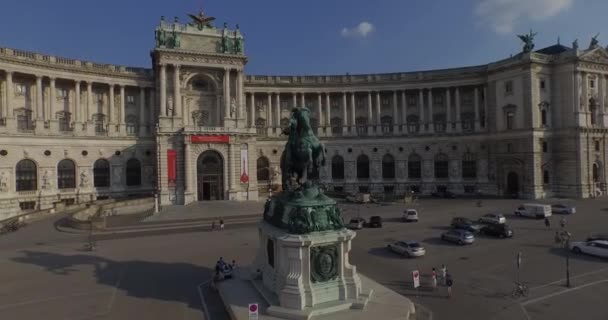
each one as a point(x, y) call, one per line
point(309, 274)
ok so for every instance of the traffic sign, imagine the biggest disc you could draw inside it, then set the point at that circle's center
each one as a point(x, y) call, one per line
point(253, 311)
point(416, 277)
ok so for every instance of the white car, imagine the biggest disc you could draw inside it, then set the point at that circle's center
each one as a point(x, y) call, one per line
point(356, 223)
point(495, 218)
point(562, 208)
point(407, 248)
point(595, 248)
point(410, 215)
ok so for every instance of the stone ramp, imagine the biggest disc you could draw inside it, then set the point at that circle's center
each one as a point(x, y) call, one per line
point(385, 304)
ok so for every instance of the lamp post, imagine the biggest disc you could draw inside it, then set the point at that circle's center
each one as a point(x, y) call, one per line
point(566, 234)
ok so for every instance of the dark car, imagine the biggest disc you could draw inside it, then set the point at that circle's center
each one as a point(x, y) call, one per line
point(465, 224)
point(497, 230)
point(375, 222)
point(598, 236)
point(443, 194)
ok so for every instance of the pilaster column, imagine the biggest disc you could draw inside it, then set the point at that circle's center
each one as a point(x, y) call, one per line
point(403, 111)
point(395, 113)
point(77, 110)
point(476, 106)
point(302, 100)
point(370, 116)
point(52, 98)
point(277, 112)
point(448, 99)
point(121, 115)
point(91, 112)
point(328, 114)
point(252, 111)
point(163, 90)
point(111, 105)
point(187, 167)
point(431, 115)
point(457, 98)
point(319, 113)
point(142, 114)
point(345, 112)
point(177, 94)
point(602, 98)
point(239, 95)
point(378, 105)
point(421, 106)
point(269, 125)
point(353, 114)
point(10, 93)
point(39, 101)
point(226, 93)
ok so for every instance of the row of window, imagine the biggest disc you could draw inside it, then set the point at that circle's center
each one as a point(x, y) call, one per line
point(26, 174)
point(25, 122)
point(21, 89)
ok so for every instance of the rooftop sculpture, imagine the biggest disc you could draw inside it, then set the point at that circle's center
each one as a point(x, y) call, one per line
point(528, 40)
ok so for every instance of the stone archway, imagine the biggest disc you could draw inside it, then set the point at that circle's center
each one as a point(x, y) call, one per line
point(210, 176)
point(512, 185)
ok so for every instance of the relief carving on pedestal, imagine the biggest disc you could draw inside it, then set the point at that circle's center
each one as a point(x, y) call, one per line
point(324, 263)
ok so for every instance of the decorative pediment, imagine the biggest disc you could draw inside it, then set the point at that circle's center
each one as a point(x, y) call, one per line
point(598, 55)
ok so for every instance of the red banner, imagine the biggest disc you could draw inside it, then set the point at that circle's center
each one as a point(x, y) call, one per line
point(171, 165)
point(210, 139)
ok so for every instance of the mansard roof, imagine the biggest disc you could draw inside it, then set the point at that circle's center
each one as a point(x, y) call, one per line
point(554, 49)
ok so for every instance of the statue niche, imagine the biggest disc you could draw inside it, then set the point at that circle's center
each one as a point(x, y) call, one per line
point(202, 101)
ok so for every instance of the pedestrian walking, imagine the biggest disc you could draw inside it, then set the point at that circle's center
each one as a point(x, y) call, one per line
point(213, 225)
point(434, 279)
point(221, 224)
point(449, 282)
point(547, 223)
point(562, 223)
point(444, 272)
point(558, 238)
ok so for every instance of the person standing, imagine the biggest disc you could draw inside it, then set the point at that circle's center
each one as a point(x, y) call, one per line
point(213, 225)
point(444, 271)
point(449, 282)
point(221, 224)
point(434, 279)
point(547, 223)
point(562, 222)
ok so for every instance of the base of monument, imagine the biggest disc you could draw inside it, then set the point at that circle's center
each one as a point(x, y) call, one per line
point(237, 293)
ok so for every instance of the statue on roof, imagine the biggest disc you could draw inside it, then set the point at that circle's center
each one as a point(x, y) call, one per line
point(594, 41)
point(528, 40)
point(238, 44)
point(176, 39)
point(575, 44)
point(161, 38)
point(201, 20)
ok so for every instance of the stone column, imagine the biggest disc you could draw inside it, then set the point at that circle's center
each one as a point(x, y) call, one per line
point(476, 107)
point(269, 126)
point(344, 114)
point(353, 114)
point(601, 82)
point(328, 114)
point(187, 167)
point(421, 107)
point(252, 110)
point(177, 94)
point(152, 108)
point(111, 105)
point(277, 113)
point(90, 101)
point(583, 122)
point(294, 99)
point(319, 114)
point(39, 101)
point(403, 111)
point(142, 114)
point(485, 107)
point(121, 115)
point(457, 98)
point(239, 94)
point(395, 114)
point(303, 99)
point(370, 117)
point(226, 93)
point(378, 113)
point(77, 110)
point(448, 99)
point(163, 90)
point(10, 93)
point(431, 116)
point(52, 98)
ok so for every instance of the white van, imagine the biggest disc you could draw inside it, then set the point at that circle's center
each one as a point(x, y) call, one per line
point(534, 210)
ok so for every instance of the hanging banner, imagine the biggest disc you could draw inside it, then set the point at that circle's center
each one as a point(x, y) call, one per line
point(210, 139)
point(171, 165)
point(244, 168)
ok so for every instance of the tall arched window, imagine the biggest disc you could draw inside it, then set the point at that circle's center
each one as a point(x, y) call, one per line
point(362, 167)
point(388, 167)
point(441, 166)
point(469, 166)
point(133, 172)
point(66, 174)
point(26, 177)
point(263, 169)
point(337, 168)
point(414, 166)
point(101, 173)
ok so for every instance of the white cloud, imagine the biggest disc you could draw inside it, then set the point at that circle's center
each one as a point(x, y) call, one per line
point(362, 30)
point(504, 15)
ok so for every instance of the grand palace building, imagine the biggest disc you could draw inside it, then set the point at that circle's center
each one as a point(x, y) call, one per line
point(195, 127)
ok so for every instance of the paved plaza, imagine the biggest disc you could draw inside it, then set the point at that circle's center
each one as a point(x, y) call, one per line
point(46, 272)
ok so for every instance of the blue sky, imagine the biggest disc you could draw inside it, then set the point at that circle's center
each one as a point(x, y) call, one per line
point(312, 36)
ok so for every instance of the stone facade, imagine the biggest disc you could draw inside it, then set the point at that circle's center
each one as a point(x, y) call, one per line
point(533, 125)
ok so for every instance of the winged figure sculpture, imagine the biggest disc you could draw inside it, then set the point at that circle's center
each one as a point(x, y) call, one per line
point(201, 21)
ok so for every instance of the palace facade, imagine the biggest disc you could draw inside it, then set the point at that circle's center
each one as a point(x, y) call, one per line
point(195, 127)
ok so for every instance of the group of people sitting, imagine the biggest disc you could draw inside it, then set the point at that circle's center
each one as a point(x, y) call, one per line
point(223, 270)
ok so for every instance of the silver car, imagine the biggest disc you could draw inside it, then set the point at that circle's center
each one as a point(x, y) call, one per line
point(495, 218)
point(459, 236)
point(562, 208)
point(407, 248)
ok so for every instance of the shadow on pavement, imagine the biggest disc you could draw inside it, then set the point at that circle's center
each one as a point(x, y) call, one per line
point(174, 282)
point(384, 252)
point(562, 252)
point(439, 242)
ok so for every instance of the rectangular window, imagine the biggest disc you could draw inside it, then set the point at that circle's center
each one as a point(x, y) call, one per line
point(62, 93)
point(542, 84)
point(510, 120)
point(130, 99)
point(384, 101)
point(508, 87)
point(592, 83)
point(469, 169)
point(438, 99)
point(411, 100)
point(20, 89)
point(545, 147)
point(545, 177)
point(27, 205)
point(99, 97)
point(597, 145)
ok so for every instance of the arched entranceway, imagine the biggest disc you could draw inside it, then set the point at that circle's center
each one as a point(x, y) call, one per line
point(512, 185)
point(210, 176)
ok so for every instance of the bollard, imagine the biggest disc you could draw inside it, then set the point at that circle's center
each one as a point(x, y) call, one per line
point(156, 203)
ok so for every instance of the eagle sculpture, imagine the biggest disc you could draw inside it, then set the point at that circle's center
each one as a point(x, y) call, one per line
point(201, 20)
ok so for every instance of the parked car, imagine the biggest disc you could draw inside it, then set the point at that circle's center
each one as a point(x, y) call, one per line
point(375, 222)
point(501, 230)
point(459, 236)
point(598, 236)
point(495, 218)
point(465, 224)
point(356, 223)
point(443, 194)
point(562, 208)
point(410, 215)
point(595, 248)
point(534, 210)
point(407, 248)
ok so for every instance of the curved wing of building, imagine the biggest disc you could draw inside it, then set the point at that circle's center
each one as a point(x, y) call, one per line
point(196, 128)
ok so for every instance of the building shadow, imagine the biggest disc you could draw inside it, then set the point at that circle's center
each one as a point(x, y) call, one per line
point(173, 282)
point(385, 252)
